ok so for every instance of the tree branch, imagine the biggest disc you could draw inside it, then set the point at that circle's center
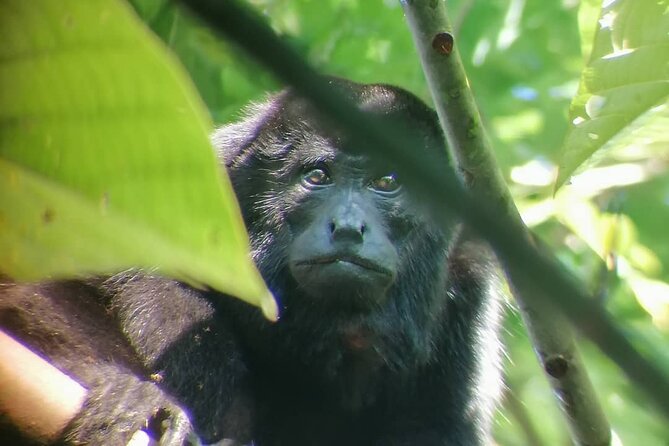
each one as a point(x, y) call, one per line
point(552, 337)
point(38, 398)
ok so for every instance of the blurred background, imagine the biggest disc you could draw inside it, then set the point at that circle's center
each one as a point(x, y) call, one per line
point(608, 225)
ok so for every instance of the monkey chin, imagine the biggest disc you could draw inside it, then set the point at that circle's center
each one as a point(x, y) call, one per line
point(345, 284)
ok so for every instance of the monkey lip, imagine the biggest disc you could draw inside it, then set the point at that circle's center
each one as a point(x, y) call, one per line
point(346, 258)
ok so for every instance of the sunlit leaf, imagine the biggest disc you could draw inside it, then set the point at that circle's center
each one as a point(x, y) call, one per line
point(653, 295)
point(644, 260)
point(105, 161)
point(588, 13)
point(624, 90)
point(617, 233)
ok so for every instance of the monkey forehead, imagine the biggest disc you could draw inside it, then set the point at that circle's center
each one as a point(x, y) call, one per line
point(322, 150)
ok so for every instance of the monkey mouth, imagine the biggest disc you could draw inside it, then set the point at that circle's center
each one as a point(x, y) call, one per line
point(346, 258)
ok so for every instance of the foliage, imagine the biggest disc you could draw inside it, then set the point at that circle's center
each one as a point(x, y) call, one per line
point(105, 160)
point(624, 91)
point(524, 60)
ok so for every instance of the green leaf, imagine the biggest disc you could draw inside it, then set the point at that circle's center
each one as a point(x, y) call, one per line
point(625, 85)
point(105, 162)
point(588, 12)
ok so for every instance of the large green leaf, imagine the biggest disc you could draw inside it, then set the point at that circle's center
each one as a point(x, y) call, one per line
point(623, 96)
point(105, 161)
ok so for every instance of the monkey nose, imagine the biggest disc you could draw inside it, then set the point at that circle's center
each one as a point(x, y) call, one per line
point(349, 230)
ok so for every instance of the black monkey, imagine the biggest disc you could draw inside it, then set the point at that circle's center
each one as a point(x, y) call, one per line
point(389, 321)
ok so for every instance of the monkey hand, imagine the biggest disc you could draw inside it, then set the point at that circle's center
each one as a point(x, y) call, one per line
point(120, 405)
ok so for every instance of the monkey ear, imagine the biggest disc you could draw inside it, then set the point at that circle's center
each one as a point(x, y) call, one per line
point(231, 141)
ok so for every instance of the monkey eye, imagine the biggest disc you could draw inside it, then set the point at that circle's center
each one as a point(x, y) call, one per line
point(317, 177)
point(386, 184)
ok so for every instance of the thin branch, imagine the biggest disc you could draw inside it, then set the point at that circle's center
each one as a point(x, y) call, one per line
point(37, 397)
point(516, 408)
point(551, 336)
point(537, 270)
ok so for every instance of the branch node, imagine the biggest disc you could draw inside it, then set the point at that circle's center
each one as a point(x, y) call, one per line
point(556, 366)
point(443, 43)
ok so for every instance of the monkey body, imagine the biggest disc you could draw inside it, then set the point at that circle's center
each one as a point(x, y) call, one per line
point(389, 321)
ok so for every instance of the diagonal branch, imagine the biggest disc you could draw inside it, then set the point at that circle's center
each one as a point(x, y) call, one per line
point(552, 337)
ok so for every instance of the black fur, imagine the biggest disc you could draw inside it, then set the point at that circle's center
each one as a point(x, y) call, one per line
point(388, 329)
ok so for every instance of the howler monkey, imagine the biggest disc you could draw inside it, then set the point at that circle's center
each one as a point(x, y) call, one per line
point(388, 327)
